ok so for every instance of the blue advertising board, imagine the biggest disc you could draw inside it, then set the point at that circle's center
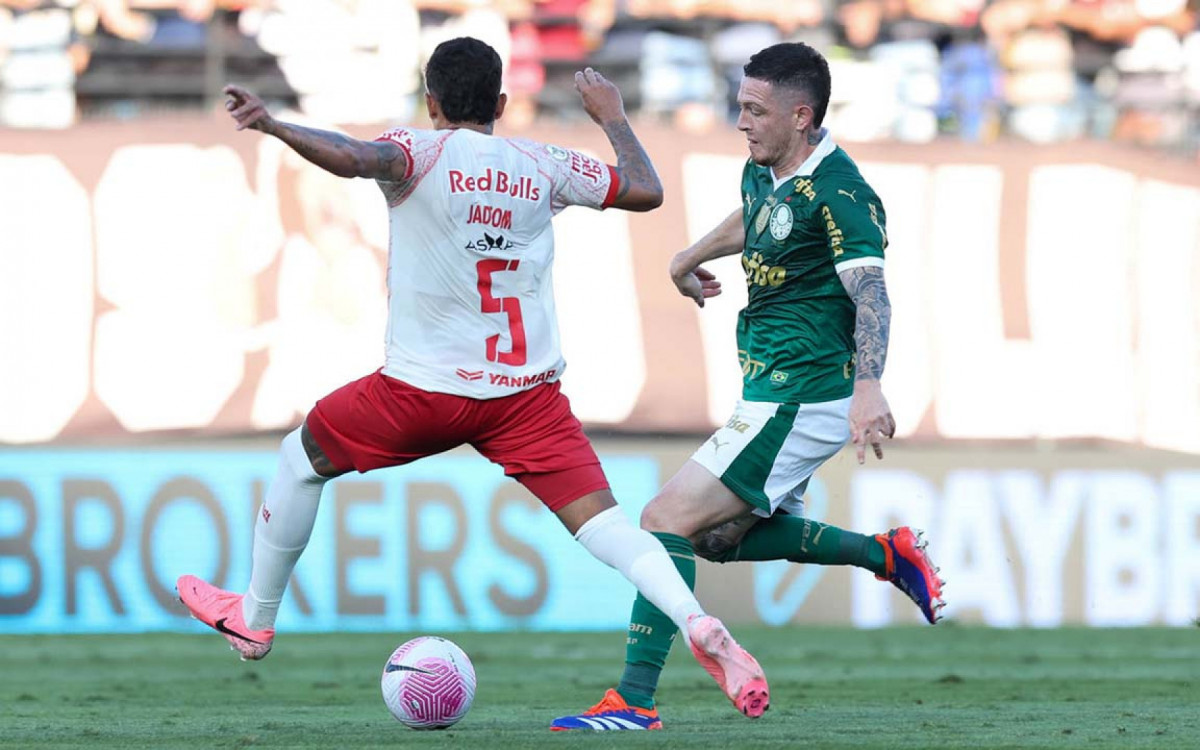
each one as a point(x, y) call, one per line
point(93, 540)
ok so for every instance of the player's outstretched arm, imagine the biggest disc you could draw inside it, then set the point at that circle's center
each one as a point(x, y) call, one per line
point(693, 281)
point(870, 416)
point(639, 188)
point(340, 154)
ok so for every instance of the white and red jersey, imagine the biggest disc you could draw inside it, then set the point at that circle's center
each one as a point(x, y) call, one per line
point(470, 289)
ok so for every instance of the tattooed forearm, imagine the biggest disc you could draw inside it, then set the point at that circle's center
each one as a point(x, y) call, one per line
point(633, 164)
point(341, 154)
point(331, 151)
point(872, 321)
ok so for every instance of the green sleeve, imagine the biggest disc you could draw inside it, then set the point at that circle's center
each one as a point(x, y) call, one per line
point(855, 223)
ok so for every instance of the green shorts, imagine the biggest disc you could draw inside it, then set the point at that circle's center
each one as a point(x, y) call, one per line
point(766, 452)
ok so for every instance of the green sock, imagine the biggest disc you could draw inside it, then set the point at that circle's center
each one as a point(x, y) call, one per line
point(803, 540)
point(651, 632)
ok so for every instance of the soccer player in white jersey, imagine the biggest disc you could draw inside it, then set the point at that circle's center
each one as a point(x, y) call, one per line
point(472, 342)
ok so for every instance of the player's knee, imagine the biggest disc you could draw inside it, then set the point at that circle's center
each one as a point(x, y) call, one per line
point(662, 515)
point(316, 458)
point(652, 517)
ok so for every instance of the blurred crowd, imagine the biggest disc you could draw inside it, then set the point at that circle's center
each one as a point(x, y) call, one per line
point(909, 70)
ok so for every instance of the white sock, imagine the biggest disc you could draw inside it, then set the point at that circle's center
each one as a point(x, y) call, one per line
point(641, 558)
point(281, 531)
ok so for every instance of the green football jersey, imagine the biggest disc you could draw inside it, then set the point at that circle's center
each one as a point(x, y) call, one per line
point(796, 335)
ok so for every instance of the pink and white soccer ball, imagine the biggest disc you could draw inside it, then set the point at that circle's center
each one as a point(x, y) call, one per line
point(428, 683)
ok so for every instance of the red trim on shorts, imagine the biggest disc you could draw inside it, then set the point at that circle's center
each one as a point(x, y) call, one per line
point(614, 182)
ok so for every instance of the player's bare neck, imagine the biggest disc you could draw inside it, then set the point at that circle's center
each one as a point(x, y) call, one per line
point(485, 129)
point(790, 164)
point(803, 145)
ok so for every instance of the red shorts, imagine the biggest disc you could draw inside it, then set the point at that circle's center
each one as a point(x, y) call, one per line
point(379, 421)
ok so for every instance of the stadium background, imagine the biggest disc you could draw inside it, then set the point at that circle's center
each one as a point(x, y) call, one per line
point(164, 282)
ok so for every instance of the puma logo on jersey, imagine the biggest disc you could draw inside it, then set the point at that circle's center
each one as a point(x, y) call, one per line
point(849, 195)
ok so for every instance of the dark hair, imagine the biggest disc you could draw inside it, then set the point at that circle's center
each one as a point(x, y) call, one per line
point(464, 74)
point(795, 66)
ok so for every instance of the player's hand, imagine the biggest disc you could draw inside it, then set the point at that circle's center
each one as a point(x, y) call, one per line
point(246, 109)
point(870, 418)
point(601, 98)
point(699, 285)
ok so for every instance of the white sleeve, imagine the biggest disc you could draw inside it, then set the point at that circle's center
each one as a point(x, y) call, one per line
point(422, 147)
point(576, 178)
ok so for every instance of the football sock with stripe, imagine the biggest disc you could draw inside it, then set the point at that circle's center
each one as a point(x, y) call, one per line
point(651, 632)
point(802, 540)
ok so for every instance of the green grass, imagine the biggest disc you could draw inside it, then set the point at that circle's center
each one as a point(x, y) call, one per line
point(944, 687)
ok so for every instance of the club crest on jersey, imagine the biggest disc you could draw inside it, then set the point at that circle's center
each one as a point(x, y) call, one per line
point(557, 152)
point(760, 221)
point(488, 243)
point(781, 221)
point(764, 214)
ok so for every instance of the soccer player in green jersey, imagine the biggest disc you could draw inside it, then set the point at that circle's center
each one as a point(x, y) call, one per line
point(812, 341)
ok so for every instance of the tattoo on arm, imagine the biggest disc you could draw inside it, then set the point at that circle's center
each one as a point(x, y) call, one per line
point(391, 162)
point(633, 164)
point(873, 318)
point(343, 155)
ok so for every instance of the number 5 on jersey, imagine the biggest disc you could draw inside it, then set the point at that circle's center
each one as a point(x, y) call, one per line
point(510, 306)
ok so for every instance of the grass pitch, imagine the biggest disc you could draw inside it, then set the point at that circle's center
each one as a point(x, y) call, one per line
point(943, 687)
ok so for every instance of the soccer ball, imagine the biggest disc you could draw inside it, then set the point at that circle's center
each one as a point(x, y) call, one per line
point(428, 683)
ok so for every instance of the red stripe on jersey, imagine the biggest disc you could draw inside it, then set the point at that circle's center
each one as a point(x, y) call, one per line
point(614, 182)
point(408, 170)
